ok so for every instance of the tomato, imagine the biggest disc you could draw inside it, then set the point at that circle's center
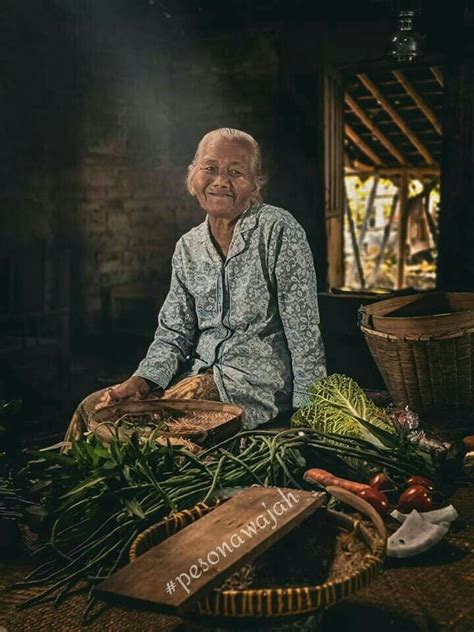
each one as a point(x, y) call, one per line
point(381, 482)
point(375, 498)
point(415, 497)
point(421, 480)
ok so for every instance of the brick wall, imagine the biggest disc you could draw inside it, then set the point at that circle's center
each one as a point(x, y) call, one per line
point(105, 116)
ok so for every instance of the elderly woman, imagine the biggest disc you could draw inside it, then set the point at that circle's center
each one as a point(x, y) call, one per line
point(240, 323)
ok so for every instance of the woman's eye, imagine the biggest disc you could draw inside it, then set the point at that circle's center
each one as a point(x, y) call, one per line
point(209, 169)
point(234, 172)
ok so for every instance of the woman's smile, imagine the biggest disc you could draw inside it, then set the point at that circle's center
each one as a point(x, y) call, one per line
point(223, 181)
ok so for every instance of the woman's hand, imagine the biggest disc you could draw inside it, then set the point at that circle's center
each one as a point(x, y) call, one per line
point(134, 388)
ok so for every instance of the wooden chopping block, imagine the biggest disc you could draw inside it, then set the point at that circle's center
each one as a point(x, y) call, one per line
point(176, 573)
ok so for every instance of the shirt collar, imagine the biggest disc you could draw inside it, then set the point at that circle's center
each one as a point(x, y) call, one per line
point(246, 220)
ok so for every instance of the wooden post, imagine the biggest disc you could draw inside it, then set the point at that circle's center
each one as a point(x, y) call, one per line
point(402, 232)
point(386, 235)
point(368, 210)
point(456, 219)
point(429, 217)
point(355, 246)
point(334, 175)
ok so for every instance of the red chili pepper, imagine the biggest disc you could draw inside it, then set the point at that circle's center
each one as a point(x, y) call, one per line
point(421, 480)
point(415, 497)
point(375, 498)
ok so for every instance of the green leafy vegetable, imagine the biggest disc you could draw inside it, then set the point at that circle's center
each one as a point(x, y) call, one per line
point(93, 501)
point(339, 406)
point(339, 409)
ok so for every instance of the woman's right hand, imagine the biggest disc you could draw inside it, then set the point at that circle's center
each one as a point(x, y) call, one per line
point(134, 388)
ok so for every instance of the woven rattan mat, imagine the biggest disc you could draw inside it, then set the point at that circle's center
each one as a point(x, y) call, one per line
point(428, 593)
point(431, 592)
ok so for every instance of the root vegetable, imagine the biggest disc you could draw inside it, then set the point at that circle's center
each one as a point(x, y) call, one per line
point(324, 478)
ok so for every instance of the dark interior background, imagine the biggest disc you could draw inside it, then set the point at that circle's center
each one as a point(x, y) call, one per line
point(104, 102)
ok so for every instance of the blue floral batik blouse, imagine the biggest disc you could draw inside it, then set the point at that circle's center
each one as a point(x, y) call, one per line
point(252, 317)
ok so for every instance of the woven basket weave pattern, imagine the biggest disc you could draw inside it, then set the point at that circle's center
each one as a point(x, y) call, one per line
point(426, 375)
point(424, 370)
point(271, 602)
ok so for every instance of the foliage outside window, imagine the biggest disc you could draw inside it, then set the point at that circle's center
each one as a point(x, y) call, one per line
point(368, 230)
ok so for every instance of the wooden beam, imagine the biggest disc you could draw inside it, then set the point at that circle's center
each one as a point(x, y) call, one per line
point(357, 140)
point(416, 172)
point(438, 75)
point(402, 232)
point(367, 121)
point(378, 96)
point(421, 103)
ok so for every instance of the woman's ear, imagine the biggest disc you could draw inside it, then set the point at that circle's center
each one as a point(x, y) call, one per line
point(255, 197)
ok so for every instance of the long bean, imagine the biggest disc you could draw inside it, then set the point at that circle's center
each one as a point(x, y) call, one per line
point(75, 561)
point(374, 457)
point(382, 455)
point(61, 582)
point(55, 537)
point(92, 600)
point(94, 526)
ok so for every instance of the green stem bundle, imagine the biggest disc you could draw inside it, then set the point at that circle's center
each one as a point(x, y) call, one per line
point(100, 498)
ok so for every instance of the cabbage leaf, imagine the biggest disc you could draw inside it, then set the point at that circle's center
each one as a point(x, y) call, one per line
point(338, 405)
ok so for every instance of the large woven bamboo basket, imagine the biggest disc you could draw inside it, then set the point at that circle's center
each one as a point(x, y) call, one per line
point(283, 602)
point(424, 348)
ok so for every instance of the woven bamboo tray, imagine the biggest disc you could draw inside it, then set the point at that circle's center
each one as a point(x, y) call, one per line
point(214, 421)
point(423, 346)
point(284, 602)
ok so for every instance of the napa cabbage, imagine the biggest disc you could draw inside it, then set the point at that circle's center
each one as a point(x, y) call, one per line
point(338, 405)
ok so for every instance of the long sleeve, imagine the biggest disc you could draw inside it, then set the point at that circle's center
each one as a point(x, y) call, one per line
point(298, 306)
point(175, 336)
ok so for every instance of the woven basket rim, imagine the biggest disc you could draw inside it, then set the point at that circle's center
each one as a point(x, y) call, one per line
point(387, 303)
point(415, 337)
point(371, 563)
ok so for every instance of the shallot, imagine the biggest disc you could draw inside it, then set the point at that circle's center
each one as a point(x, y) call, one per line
point(381, 482)
point(415, 497)
point(377, 499)
point(421, 480)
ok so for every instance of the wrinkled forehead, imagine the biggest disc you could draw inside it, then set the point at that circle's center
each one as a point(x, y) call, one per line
point(224, 149)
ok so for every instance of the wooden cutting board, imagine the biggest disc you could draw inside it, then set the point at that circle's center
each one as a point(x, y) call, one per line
point(173, 575)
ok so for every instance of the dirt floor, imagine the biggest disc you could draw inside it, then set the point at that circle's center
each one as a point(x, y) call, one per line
point(434, 591)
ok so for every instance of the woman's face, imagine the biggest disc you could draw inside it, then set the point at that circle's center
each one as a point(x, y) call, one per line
point(223, 181)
